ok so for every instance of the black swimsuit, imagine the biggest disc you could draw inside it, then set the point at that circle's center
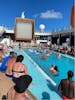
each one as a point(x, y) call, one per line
point(15, 78)
point(18, 71)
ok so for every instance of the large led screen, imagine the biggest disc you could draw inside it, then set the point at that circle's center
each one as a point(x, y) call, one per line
point(24, 29)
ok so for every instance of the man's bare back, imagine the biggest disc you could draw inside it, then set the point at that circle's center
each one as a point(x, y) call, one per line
point(9, 65)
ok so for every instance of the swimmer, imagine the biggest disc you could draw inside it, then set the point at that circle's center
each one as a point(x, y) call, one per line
point(31, 50)
point(53, 69)
point(58, 56)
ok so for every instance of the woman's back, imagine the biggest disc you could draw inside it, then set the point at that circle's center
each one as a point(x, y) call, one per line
point(19, 69)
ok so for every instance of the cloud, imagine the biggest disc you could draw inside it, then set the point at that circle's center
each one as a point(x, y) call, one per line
point(49, 14)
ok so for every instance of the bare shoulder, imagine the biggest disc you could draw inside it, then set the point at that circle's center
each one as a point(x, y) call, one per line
point(24, 65)
point(23, 98)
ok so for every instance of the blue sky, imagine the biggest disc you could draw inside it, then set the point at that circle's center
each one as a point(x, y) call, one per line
point(54, 14)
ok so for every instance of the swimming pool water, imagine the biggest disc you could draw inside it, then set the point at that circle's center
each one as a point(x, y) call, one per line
point(41, 88)
point(64, 64)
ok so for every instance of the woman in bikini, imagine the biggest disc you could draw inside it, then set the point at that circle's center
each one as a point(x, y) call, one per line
point(19, 68)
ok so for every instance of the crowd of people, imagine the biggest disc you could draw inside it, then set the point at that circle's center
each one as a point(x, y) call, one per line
point(65, 49)
point(11, 64)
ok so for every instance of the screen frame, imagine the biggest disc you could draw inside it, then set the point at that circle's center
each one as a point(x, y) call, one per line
point(24, 20)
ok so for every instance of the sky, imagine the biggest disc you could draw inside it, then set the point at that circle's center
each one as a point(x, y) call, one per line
point(54, 14)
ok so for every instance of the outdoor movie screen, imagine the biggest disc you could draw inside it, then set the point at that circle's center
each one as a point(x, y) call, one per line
point(24, 29)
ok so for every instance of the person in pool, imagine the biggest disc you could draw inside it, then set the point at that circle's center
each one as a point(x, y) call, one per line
point(53, 69)
point(58, 56)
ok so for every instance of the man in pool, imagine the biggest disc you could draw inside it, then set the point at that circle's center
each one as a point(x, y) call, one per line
point(58, 56)
point(53, 69)
point(67, 87)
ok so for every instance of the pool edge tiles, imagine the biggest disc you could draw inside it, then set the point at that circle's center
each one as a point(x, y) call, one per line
point(37, 66)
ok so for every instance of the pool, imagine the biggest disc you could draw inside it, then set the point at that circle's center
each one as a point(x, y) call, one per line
point(42, 88)
point(64, 64)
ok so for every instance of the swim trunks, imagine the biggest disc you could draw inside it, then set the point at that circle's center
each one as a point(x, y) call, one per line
point(65, 98)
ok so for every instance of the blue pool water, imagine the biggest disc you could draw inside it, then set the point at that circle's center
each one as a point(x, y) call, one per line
point(64, 64)
point(42, 88)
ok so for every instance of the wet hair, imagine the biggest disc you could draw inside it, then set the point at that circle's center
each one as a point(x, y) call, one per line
point(22, 83)
point(53, 65)
point(15, 54)
point(56, 68)
point(19, 58)
point(11, 52)
point(70, 74)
